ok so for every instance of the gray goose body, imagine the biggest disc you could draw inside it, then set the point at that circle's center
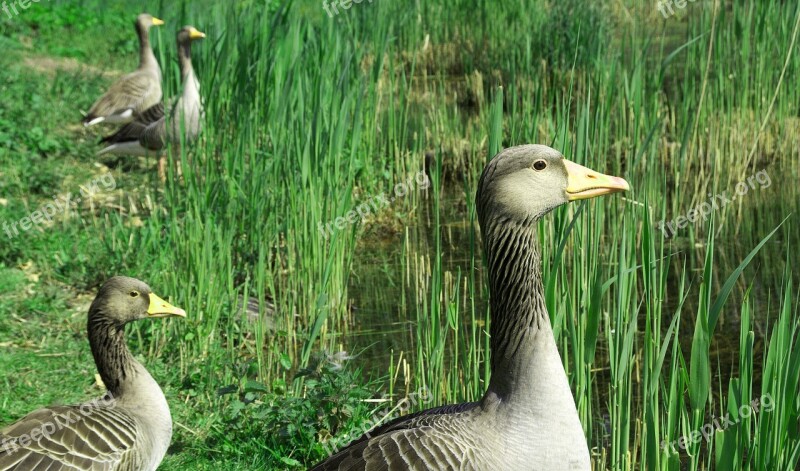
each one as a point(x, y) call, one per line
point(148, 134)
point(527, 419)
point(128, 429)
point(135, 92)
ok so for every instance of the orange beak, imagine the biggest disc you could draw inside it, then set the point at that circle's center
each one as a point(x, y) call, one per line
point(584, 183)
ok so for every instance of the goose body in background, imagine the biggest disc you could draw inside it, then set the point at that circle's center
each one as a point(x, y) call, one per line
point(128, 429)
point(527, 419)
point(135, 92)
point(148, 133)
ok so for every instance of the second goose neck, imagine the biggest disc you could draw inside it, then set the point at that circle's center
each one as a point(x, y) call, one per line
point(185, 57)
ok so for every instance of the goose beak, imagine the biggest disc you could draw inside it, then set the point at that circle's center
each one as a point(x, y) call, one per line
point(194, 34)
point(157, 22)
point(584, 183)
point(160, 308)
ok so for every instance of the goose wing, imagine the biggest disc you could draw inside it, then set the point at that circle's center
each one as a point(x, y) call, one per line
point(428, 440)
point(133, 131)
point(132, 94)
point(89, 437)
point(154, 136)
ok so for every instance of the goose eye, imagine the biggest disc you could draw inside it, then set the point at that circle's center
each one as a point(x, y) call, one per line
point(540, 165)
point(134, 294)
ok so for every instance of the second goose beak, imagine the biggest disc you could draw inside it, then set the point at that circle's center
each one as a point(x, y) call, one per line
point(194, 34)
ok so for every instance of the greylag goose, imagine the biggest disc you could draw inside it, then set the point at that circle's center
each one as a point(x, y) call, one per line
point(527, 419)
point(135, 92)
point(128, 429)
point(147, 134)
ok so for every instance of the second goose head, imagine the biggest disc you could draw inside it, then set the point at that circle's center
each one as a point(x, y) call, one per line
point(186, 36)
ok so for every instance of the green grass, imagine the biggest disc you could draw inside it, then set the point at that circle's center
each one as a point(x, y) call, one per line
point(308, 117)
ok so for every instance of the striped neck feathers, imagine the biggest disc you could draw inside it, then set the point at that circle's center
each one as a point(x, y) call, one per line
point(185, 58)
point(114, 361)
point(517, 305)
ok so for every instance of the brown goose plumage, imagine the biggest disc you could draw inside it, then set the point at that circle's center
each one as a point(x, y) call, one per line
point(148, 134)
point(135, 92)
point(128, 429)
point(527, 418)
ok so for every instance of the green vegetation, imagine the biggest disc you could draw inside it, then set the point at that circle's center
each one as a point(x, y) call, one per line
point(308, 117)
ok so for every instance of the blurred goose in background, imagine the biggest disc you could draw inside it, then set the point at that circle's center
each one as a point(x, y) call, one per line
point(135, 92)
point(148, 133)
point(251, 311)
point(527, 418)
point(130, 428)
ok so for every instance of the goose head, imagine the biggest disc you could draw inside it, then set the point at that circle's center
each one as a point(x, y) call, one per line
point(122, 300)
point(521, 184)
point(145, 21)
point(187, 34)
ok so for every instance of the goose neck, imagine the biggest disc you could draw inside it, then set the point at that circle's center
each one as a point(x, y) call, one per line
point(147, 60)
point(185, 57)
point(114, 361)
point(521, 338)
